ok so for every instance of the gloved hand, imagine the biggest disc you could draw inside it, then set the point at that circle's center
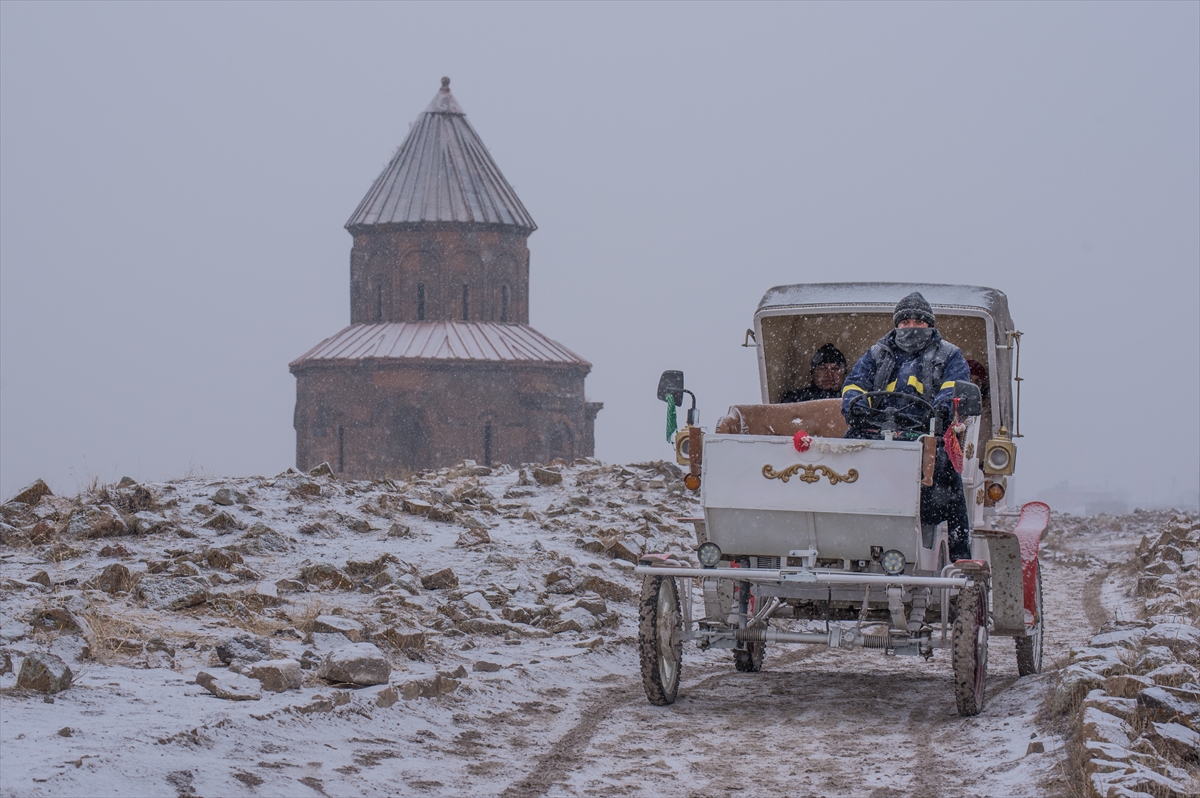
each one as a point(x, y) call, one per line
point(859, 413)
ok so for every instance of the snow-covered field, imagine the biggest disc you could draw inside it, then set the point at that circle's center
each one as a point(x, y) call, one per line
point(520, 680)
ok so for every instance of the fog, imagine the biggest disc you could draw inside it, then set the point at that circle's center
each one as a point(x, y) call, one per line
point(174, 179)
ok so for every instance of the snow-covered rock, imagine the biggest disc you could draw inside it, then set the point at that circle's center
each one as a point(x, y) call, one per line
point(229, 685)
point(44, 673)
point(359, 663)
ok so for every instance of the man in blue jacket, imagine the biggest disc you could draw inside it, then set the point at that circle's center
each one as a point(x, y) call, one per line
point(914, 359)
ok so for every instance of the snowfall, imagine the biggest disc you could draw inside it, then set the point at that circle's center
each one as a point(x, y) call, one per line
point(218, 631)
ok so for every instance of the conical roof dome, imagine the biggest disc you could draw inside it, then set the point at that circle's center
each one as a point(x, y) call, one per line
point(441, 173)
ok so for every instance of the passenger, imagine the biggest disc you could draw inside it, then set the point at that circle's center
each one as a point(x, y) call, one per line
point(914, 359)
point(826, 374)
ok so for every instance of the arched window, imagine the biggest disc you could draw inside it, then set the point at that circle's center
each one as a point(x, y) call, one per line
point(466, 302)
point(420, 301)
point(504, 303)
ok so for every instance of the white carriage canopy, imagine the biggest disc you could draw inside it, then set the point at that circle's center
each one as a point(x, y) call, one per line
point(793, 321)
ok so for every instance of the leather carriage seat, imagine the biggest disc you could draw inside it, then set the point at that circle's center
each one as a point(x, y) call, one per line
point(821, 418)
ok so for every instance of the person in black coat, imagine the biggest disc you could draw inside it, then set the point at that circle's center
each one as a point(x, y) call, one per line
point(826, 374)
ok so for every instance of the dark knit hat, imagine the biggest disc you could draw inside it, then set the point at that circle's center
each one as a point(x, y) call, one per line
point(827, 354)
point(914, 306)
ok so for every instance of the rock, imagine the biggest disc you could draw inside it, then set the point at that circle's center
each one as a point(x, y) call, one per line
point(114, 550)
point(229, 685)
point(1174, 674)
point(244, 648)
point(185, 568)
point(44, 673)
point(483, 626)
point(334, 624)
point(408, 641)
point(1154, 657)
point(223, 559)
point(11, 536)
point(261, 539)
point(569, 625)
point(483, 666)
point(478, 602)
point(32, 494)
point(323, 470)
point(620, 550)
point(115, 578)
point(445, 514)
point(1126, 686)
point(458, 673)
point(546, 477)
point(440, 580)
point(475, 536)
point(222, 522)
point(1099, 725)
point(40, 578)
point(6, 665)
point(417, 507)
point(1176, 738)
point(428, 688)
point(65, 731)
point(358, 663)
point(91, 521)
point(325, 575)
point(1122, 708)
point(1126, 638)
point(399, 531)
point(319, 704)
point(594, 606)
point(1169, 704)
point(289, 586)
point(172, 593)
point(606, 589)
point(227, 497)
point(364, 568)
point(1073, 684)
point(277, 675)
point(1182, 639)
point(42, 531)
point(1035, 747)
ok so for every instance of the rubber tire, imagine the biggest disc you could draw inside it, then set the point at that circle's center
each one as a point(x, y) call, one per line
point(1029, 649)
point(751, 659)
point(653, 647)
point(969, 650)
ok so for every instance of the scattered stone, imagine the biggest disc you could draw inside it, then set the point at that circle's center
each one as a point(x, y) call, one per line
point(475, 536)
point(227, 497)
point(445, 514)
point(290, 586)
point(1182, 639)
point(399, 531)
point(323, 470)
point(1035, 747)
point(606, 589)
point(483, 666)
point(6, 665)
point(244, 648)
point(334, 624)
point(172, 593)
point(230, 686)
point(277, 675)
point(358, 663)
point(569, 625)
point(44, 673)
point(1178, 739)
point(65, 731)
point(1073, 684)
point(115, 578)
point(439, 685)
point(546, 477)
point(363, 568)
point(185, 568)
point(32, 494)
point(387, 697)
point(42, 531)
point(222, 522)
point(325, 576)
point(40, 578)
point(91, 521)
point(417, 507)
point(261, 539)
point(595, 606)
point(1127, 685)
point(407, 641)
point(114, 550)
point(360, 525)
point(440, 580)
point(223, 559)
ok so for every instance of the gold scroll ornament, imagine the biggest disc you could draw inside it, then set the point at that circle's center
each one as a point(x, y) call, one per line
point(810, 474)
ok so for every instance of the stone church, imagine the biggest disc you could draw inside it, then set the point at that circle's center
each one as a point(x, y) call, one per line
point(439, 363)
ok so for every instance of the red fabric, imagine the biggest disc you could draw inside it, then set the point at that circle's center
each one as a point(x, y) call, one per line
point(953, 450)
point(801, 440)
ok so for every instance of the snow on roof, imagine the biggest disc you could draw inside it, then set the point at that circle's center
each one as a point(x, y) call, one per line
point(994, 302)
point(441, 173)
point(442, 340)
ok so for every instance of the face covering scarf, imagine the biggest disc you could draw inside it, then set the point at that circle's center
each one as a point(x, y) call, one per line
point(913, 339)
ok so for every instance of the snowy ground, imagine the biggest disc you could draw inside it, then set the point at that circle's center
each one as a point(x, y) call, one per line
point(563, 715)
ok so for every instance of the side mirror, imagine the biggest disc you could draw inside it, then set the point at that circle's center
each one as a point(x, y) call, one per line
point(970, 400)
point(671, 384)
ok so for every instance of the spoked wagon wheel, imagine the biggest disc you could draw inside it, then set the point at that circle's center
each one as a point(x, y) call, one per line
point(660, 639)
point(969, 651)
point(1029, 649)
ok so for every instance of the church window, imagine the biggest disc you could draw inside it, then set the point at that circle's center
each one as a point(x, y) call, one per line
point(379, 303)
point(420, 301)
point(466, 303)
point(504, 303)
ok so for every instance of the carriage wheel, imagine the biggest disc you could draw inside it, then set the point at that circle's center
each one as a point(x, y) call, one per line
point(751, 659)
point(969, 649)
point(1029, 649)
point(660, 639)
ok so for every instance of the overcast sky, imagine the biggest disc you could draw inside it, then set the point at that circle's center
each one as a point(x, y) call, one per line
point(174, 179)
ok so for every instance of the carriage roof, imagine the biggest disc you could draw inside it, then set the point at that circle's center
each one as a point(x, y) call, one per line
point(941, 297)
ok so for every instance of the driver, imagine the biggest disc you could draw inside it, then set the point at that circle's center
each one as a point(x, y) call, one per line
point(915, 359)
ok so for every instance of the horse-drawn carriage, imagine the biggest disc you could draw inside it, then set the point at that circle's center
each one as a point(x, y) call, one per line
point(800, 522)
